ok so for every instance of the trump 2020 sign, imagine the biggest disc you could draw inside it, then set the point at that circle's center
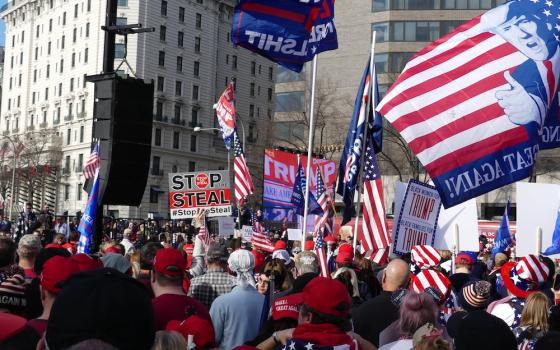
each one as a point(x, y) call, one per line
point(208, 190)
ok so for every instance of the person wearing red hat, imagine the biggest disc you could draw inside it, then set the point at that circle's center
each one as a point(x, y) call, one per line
point(196, 331)
point(171, 302)
point(323, 321)
point(15, 334)
point(55, 271)
point(280, 245)
point(463, 267)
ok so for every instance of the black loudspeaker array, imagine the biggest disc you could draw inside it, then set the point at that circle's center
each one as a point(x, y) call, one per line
point(123, 125)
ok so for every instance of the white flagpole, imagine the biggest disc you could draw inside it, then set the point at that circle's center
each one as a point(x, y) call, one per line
point(359, 185)
point(309, 150)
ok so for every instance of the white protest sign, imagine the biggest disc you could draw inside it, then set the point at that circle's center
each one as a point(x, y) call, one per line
point(417, 220)
point(209, 190)
point(247, 232)
point(465, 215)
point(537, 206)
point(226, 226)
point(294, 234)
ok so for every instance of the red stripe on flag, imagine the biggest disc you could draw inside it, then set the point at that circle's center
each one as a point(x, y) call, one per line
point(477, 150)
point(274, 11)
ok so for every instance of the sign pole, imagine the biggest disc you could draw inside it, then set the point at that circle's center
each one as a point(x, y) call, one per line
point(359, 186)
point(309, 151)
point(539, 240)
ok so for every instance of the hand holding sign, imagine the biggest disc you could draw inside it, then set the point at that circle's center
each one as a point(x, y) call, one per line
point(520, 106)
point(199, 219)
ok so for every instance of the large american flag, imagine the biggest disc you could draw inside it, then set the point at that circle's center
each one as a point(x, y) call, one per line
point(242, 182)
point(323, 222)
point(259, 238)
point(321, 255)
point(374, 233)
point(450, 106)
point(92, 163)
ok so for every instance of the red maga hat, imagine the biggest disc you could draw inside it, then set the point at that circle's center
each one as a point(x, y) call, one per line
point(57, 270)
point(169, 262)
point(325, 296)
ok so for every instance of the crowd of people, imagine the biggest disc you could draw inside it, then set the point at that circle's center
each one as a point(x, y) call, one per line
point(157, 291)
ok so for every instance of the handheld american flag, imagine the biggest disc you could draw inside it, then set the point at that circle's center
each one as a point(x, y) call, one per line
point(477, 105)
point(242, 181)
point(374, 235)
point(321, 255)
point(225, 112)
point(259, 238)
point(298, 196)
point(92, 163)
point(325, 202)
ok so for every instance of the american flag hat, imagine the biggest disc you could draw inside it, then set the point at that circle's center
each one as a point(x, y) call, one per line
point(523, 277)
point(425, 256)
point(432, 279)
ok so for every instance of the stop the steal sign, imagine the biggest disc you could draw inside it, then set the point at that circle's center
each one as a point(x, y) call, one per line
point(209, 190)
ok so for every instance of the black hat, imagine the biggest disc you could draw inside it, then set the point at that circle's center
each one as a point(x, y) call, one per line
point(480, 330)
point(102, 304)
point(475, 295)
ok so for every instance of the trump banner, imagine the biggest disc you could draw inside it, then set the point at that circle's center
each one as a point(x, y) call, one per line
point(280, 171)
point(288, 32)
point(477, 105)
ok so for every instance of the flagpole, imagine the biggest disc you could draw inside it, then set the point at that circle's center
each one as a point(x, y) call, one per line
point(309, 150)
point(359, 185)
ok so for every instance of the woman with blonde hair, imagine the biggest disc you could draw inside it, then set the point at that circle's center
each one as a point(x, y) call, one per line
point(166, 340)
point(534, 321)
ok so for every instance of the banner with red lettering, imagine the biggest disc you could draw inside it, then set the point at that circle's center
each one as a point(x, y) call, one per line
point(416, 223)
point(280, 169)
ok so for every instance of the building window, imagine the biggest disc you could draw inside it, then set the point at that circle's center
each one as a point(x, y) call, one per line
point(192, 166)
point(195, 92)
point(156, 165)
point(64, 18)
point(59, 89)
point(197, 44)
point(48, 70)
point(270, 73)
point(66, 186)
point(154, 196)
point(82, 133)
point(413, 31)
point(80, 162)
point(253, 68)
point(80, 190)
point(86, 54)
point(284, 75)
point(234, 62)
point(177, 112)
point(160, 83)
point(122, 21)
point(252, 111)
point(176, 140)
point(37, 31)
point(74, 35)
point(50, 25)
point(62, 66)
point(122, 3)
point(163, 8)
point(68, 136)
point(62, 42)
point(269, 95)
point(159, 110)
point(46, 94)
point(290, 101)
point(194, 117)
point(87, 30)
point(161, 59)
point(179, 64)
point(157, 137)
point(180, 39)
point(196, 68)
point(73, 60)
point(178, 88)
point(182, 14)
point(193, 143)
point(76, 11)
point(162, 32)
point(71, 84)
point(198, 21)
point(88, 5)
point(252, 89)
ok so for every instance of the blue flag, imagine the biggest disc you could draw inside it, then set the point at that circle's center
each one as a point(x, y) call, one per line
point(503, 236)
point(288, 32)
point(298, 199)
point(555, 247)
point(350, 161)
point(87, 223)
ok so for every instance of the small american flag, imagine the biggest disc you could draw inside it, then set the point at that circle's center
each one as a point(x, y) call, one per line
point(259, 238)
point(321, 255)
point(204, 236)
point(242, 182)
point(325, 202)
point(374, 233)
point(93, 162)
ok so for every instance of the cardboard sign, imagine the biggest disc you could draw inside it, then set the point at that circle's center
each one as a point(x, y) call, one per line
point(465, 216)
point(246, 232)
point(294, 234)
point(417, 221)
point(209, 190)
point(537, 206)
point(226, 226)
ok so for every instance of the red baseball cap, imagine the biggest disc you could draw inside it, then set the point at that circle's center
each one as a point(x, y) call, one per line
point(464, 259)
point(112, 249)
point(201, 330)
point(259, 259)
point(280, 244)
point(169, 262)
point(326, 296)
point(286, 307)
point(57, 270)
point(346, 248)
point(344, 257)
point(11, 325)
point(86, 262)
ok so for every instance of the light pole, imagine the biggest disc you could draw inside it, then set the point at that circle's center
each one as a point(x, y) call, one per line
point(197, 129)
point(14, 148)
